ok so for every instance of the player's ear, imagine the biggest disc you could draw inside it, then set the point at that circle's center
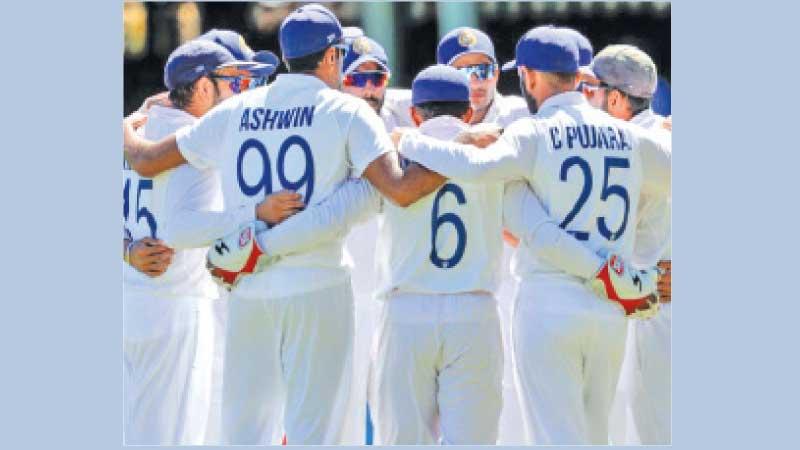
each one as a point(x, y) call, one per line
point(614, 99)
point(415, 116)
point(467, 117)
point(203, 88)
point(330, 56)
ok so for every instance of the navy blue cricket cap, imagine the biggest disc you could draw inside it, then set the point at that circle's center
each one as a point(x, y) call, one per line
point(585, 50)
point(363, 49)
point(439, 83)
point(309, 29)
point(546, 49)
point(193, 60)
point(236, 44)
point(461, 41)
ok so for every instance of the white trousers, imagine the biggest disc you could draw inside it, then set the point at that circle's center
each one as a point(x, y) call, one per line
point(437, 370)
point(643, 406)
point(288, 368)
point(168, 375)
point(511, 430)
point(568, 346)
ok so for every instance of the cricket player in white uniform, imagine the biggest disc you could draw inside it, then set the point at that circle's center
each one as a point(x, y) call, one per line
point(627, 82)
point(472, 51)
point(367, 74)
point(588, 169)
point(296, 317)
point(169, 330)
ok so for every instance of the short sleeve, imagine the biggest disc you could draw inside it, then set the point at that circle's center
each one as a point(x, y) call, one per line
point(202, 142)
point(366, 139)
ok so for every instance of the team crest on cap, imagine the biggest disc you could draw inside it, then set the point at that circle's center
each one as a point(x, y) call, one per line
point(466, 38)
point(361, 45)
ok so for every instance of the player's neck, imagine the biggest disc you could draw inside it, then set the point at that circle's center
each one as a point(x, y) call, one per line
point(194, 110)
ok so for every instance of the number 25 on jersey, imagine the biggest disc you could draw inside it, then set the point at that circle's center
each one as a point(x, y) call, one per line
point(608, 190)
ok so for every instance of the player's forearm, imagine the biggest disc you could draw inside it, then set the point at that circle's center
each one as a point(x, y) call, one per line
point(525, 216)
point(149, 158)
point(188, 228)
point(461, 162)
point(353, 202)
point(401, 187)
point(416, 182)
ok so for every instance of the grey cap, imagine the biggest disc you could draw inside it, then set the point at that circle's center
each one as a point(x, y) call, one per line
point(626, 68)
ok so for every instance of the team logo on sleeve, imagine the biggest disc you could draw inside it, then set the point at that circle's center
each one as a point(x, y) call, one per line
point(361, 45)
point(244, 237)
point(466, 38)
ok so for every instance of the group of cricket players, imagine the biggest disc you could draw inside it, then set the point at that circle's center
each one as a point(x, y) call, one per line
point(316, 258)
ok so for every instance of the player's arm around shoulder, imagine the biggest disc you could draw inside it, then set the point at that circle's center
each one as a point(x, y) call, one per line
point(146, 157)
point(373, 157)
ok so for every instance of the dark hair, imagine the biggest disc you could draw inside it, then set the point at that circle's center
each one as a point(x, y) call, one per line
point(181, 95)
point(429, 110)
point(638, 104)
point(565, 78)
point(308, 63)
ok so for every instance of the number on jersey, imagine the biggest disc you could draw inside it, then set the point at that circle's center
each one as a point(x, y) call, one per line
point(142, 199)
point(264, 184)
point(611, 162)
point(451, 218)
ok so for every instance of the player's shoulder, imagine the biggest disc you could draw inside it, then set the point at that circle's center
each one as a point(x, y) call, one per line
point(340, 102)
point(397, 96)
point(163, 121)
point(511, 102)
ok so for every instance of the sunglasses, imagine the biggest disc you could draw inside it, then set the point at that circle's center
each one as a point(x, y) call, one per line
point(482, 71)
point(360, 79)
point(240, 83)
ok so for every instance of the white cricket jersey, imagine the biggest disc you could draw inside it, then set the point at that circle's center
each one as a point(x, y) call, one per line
point(503, 111)
point(449, 241)
point(151, 204)
point(585, 166)
point(295, 134)
point(396, 109)
point(653, 232)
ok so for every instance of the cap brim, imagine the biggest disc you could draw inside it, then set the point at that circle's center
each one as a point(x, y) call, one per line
point(510, 65)
point(587, 70)
point(366, 58)
point(255, 69)
point(466, 52)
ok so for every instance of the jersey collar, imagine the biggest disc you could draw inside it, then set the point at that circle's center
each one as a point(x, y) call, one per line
point(643, 117)
point(298, 80)
point(443, 127)
point(571, 98)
